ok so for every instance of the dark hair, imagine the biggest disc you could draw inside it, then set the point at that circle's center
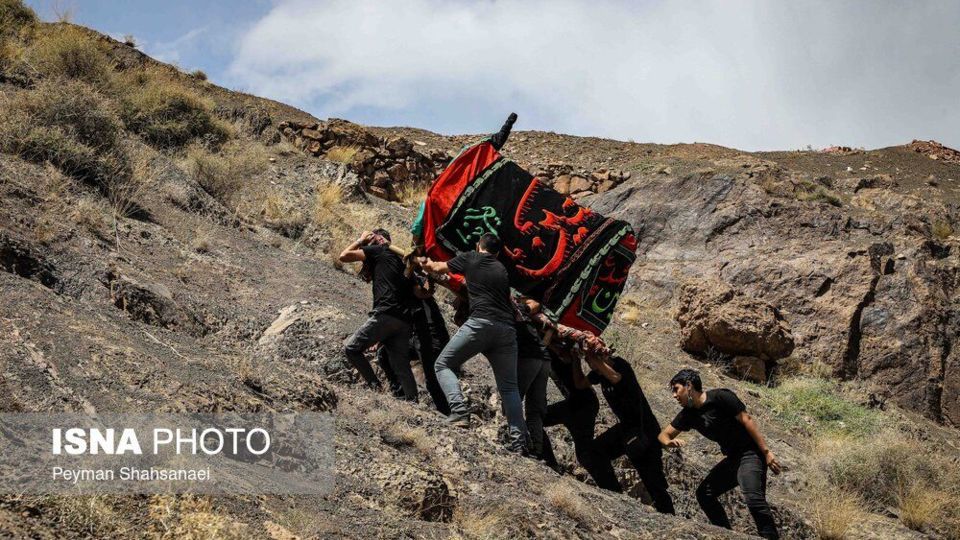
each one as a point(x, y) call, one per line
point(383, 233)
point(490, 243)
point(686, 376)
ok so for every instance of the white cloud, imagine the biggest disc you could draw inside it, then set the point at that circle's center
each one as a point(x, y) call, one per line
point(746, 74)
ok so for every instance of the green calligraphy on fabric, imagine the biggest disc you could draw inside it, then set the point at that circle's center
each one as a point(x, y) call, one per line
point(612, 301)
point(476, 222)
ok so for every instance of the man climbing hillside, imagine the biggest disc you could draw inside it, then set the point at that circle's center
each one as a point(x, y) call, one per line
point(634, 435)
point(489, 330)
point(388, 323)
point(720, 416)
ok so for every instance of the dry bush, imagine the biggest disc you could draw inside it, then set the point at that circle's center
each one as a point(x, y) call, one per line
point(328, 197)
point(280, 214)
point(166, 113)
point(198, 75)
point(94, 516)
point(491, 523)
point(88, 213)
point(130, 40)
point(68, 51)
point(565, 498)
point(892, 470)
point(342, 154)
point(201, 242)
point(223, 174)
point(69, 124)
point(834, 512)
point(412, 194)
point(941, 229)
point(14, 17)
point(922, 508)
point(193, 518)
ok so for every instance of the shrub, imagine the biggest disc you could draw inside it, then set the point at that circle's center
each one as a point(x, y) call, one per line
point(67, 51)
point(811, 405)
point(70, 125)
point(941, 229)
point(166, 113)
point(834, 512)
point(198, 74)
point(342, 154)
point(14, 16)
point(809, 191)
point(223, 174)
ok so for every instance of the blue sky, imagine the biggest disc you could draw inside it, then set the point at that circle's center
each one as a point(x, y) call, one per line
point(746, 74)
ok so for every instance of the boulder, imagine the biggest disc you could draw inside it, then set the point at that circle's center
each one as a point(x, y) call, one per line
point(421, 493)
point(562, 184)
point(713, 316)
point(579, 183)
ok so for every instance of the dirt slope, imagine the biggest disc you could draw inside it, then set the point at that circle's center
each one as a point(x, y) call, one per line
point(171, 311)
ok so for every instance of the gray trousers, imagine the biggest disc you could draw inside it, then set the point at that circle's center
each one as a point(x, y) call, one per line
point(532, 375)
point(498, 342)
point(394, 334)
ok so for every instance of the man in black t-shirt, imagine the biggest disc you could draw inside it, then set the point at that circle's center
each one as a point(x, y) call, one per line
point(489, 331)
point(388, 323)
point(634, 435)
point(720, 416)
point(577, 411)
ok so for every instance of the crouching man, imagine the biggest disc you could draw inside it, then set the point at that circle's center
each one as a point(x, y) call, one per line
point(634, 435)
point(720, 416)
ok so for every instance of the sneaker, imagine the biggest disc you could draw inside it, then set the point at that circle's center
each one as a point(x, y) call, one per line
point(458, 420)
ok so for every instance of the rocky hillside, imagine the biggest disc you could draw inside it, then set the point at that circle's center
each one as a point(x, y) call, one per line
point(166, 244)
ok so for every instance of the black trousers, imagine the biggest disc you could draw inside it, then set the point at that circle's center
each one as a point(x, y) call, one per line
point(749, 471)
point(580, 422)
point(432, 336)
point(393, 334)
point(645, 455)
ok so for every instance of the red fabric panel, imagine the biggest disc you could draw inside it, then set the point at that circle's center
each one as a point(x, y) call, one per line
point(446, 190)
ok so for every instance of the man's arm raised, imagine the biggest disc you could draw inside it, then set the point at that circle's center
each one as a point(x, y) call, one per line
point(353, 252)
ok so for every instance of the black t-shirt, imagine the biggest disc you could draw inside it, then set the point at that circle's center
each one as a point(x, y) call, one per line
point(627, 401)
point(717, 421)
point(528, 342)
point(584, 405)
point(487, 285)
point(392, 292)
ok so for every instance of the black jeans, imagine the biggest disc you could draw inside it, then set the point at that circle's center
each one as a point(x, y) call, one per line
point(580, 419)
point(432, 337)
point(394, 334)
point(646, 456)
point(749, 471)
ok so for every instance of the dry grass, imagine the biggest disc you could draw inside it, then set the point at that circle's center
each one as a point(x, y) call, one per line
point(88, 213)
point(69, 124)
point(193, 518)
point(223, 174)
point(941, 229)
point(94, 516)
point(14, 17)
point(834, 513)
point(202, 239)
point(890, 469)
point(921, 509)
point(198, 75)
point(564, 497)
point(166, 113)
point(342, 154)
point(411, 194)
point(328, 197)
point(70, 52)
point(483, 523)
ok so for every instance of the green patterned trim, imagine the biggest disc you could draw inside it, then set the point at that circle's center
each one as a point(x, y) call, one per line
point(467, 192)
point(585, 274)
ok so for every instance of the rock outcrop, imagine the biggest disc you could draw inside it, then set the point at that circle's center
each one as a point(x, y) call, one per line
point(386, 166)
point(712, 315)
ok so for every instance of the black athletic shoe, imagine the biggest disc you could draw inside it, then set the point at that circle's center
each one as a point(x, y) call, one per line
point(458, 420)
